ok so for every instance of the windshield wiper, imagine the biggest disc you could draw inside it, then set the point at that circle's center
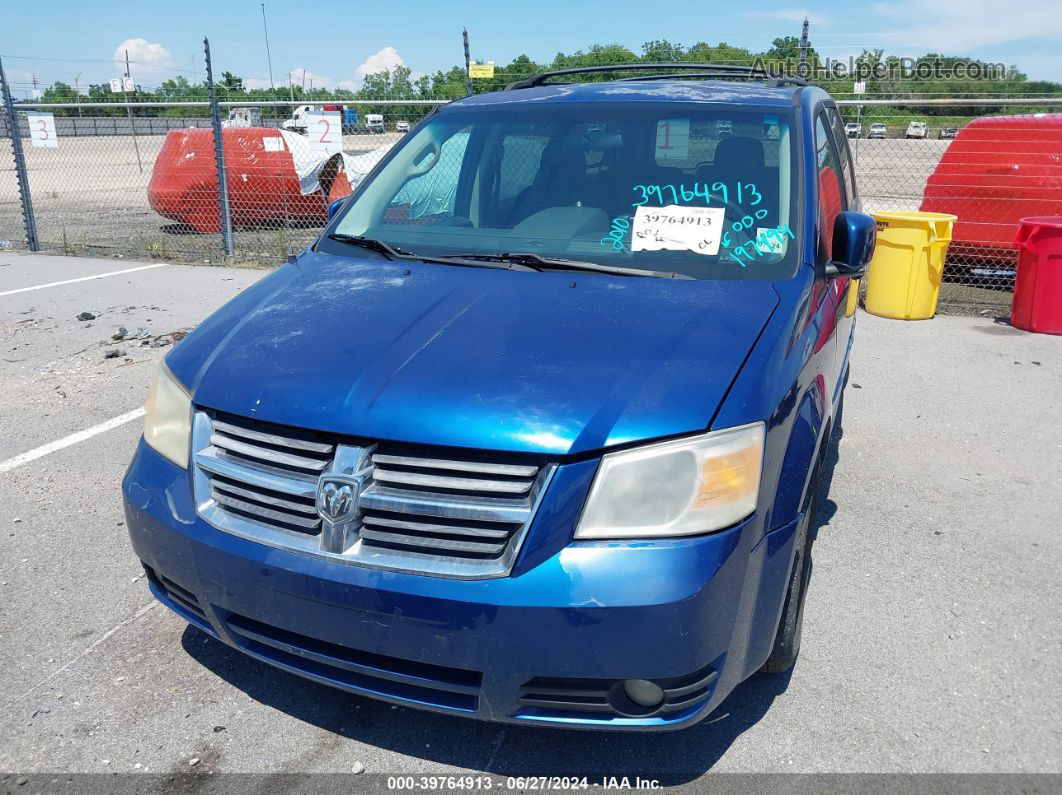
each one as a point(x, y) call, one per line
point(386, 249)
point(394, 252)
point(538, 262)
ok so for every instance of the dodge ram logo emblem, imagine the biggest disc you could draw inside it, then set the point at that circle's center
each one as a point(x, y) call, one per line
point(337, 498)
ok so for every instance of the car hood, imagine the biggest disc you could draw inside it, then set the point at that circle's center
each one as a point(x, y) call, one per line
point(552, 362)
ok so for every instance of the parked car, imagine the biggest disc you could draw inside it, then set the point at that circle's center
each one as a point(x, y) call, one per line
point(878, 130)
point(916, 129)
point(948, 132)
point(534, 431)
point(853, 129)
point(998, 170)
point(273, 176)
point(402, 126)
point(374, 122)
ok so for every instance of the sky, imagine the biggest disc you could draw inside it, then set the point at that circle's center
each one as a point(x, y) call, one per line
point(337, 43)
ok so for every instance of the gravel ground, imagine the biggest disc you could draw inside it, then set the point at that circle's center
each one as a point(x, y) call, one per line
point(931, 642)
point(90, 197)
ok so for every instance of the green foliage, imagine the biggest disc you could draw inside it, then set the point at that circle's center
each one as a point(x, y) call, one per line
point(398, 83)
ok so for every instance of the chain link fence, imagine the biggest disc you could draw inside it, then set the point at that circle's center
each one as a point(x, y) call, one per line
point(988, 161)
point(148, 187)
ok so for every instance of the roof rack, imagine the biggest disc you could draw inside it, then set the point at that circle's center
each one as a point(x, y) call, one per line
point(696, 71)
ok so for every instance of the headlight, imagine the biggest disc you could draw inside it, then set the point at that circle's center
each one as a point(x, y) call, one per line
point(678, 488)
point(168, 417)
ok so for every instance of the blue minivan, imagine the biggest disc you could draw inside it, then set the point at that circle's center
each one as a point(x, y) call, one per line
point(532, 433)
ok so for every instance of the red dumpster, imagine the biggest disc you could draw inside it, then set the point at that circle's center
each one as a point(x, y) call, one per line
point(1038, 287)
point(998, 170)
point(263, 181)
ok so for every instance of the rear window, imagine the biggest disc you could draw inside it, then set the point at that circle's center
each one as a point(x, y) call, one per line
point(702, 190)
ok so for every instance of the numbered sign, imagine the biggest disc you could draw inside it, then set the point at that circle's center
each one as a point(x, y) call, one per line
point(673, 139)
point(859, 87)
point(42, 130)
point(678, 228)
point(324, 131)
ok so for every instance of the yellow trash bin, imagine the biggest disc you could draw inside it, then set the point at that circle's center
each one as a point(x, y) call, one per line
point(853, 297)
point(903, 278)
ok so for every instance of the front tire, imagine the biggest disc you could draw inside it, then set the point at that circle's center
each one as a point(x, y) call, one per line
point(787, 640)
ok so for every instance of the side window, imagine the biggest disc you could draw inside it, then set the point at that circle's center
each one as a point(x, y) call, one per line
point(839, 135)
point(830, 183)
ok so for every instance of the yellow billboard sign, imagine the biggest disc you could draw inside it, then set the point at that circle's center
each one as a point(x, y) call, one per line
point(486, 70)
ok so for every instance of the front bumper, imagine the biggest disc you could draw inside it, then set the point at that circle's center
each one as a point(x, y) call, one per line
point(696, 615)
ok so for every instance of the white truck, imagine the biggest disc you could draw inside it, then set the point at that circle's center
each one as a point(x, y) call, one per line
point(297, 122)
point(916, 129)
point(374, 122)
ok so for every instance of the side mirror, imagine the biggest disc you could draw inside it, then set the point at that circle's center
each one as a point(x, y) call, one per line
point(334, 207)
point(854, 235)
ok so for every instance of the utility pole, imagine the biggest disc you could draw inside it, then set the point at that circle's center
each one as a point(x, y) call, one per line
point(291, 90)
point(77, 94)
point(468, 62)
point(804, 49)
point(269, 61)
point(129, 112)
point(219, 157)
point(36, 88)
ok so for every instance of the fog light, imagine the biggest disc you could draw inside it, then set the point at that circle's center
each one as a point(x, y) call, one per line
point(643, 693)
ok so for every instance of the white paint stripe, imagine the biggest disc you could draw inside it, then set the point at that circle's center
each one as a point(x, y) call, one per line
point(101, 639)
point(85, 278)
point(73, 438)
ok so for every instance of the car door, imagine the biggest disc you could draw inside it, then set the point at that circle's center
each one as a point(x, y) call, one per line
point(832, 200)
point(843, 286)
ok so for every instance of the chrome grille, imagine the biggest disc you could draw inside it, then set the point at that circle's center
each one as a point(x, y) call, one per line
point(420, 509)
point(469, 509)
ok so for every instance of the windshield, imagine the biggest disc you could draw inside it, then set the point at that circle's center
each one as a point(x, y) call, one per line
point(703, 191)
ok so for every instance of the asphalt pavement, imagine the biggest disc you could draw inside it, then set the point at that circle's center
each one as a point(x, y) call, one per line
point(932, 633)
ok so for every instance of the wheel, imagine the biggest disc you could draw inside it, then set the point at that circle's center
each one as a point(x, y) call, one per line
point(787, 641)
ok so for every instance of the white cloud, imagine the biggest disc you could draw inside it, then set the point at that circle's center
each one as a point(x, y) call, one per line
point(386, 59)
point(954, 27)
point(303, 76)
point(146, 59)
point(260, 81)
point(280, 80)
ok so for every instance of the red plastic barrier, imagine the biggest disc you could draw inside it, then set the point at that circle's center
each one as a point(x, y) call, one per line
point(998, 170)
point(263, 185)
point(1038, 288)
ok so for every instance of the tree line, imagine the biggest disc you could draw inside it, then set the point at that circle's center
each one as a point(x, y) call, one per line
point(399, 83)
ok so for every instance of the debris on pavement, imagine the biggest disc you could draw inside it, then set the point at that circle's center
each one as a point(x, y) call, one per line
point(112, 353)
point(86, 316)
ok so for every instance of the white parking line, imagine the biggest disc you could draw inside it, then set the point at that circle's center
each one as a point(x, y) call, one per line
point(66, 441)
point(101, 639)
point(84, 278)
